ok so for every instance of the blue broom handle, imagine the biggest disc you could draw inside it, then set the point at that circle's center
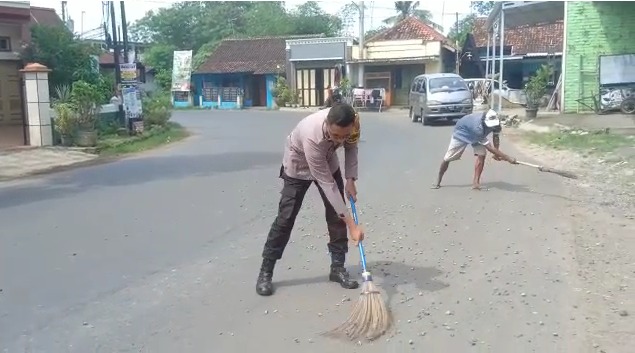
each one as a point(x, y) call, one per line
point(360, 245)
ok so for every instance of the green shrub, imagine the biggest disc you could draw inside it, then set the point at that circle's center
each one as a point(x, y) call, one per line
point(86, 100)
point(157, 110)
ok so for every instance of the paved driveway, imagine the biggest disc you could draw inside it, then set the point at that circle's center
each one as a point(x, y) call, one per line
point(160, 252)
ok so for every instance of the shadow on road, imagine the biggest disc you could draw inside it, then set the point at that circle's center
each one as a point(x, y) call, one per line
point(393, 274)
point(505, 186)
point(137, 171)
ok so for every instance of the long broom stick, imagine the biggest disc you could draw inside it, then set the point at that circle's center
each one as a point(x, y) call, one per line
point(562, 173)
point(370, 317)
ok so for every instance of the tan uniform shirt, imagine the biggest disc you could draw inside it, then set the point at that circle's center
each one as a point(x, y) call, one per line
point(309, 154)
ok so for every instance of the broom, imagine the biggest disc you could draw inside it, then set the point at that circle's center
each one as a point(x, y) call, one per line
point(370, 317)
point(562, 173)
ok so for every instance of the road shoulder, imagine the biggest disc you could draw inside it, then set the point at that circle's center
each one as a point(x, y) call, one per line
point(602, 219)
point(29, 161)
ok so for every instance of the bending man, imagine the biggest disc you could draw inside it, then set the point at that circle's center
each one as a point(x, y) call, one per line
point(473, 129)
point(310, 158)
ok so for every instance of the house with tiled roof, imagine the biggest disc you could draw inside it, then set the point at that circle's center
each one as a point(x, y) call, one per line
point(16, 20)
point(245, 68)
point(525, 49)
point(392, 58)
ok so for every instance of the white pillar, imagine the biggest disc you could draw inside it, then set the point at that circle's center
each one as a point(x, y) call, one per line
point(489, 39)
point(360, 75)
point(38, 104)
point(502, 51)
point(491, 79)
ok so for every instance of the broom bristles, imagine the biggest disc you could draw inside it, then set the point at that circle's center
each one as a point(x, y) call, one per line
point(562, 173)
point(369, 319)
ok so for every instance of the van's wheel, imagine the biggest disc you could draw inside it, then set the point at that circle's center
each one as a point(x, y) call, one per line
point(425, 121)
point(628, 106)
point(412, 116)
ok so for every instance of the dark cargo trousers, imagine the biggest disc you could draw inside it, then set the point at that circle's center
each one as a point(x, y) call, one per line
point(291, 198)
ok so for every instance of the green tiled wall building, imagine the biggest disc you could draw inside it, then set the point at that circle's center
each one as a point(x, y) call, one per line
point(593, 29)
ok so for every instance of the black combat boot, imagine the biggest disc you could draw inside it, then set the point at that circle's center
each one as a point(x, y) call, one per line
point(263, 284)
point(339, 274)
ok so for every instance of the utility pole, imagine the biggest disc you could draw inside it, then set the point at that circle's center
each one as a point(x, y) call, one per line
point(124, 30)
point(64, 12)
point(456, 40)
point(81, 33)
point(116, 56)
point(115, 43)
point(360, 70)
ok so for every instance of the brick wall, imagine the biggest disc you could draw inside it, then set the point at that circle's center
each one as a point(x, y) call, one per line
point(593, 29)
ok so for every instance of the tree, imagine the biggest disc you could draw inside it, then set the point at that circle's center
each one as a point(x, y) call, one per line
point(309, 18)
point(459, 33)
point(179, 25)
point(69, 58)
point(200, 26)
point(260, 18)
point(160, 57)
point(466, 24)
point(348, 16)
point(405, 9)
point(482, 8)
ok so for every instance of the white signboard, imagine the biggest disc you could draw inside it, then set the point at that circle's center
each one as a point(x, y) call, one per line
point(182, 71)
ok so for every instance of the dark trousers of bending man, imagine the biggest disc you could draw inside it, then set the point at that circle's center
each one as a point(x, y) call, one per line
point(310, 158)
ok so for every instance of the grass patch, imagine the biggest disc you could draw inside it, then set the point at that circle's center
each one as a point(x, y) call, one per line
point(113, 145)
point(593, 142)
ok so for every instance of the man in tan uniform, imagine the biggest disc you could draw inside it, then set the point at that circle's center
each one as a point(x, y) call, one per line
point(310, 158)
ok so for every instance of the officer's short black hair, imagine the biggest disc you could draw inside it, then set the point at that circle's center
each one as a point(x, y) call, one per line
point(341, 114)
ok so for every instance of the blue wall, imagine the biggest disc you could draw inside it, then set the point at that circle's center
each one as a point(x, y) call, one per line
point(180, 104)
point(271, 81)
point(217, 79)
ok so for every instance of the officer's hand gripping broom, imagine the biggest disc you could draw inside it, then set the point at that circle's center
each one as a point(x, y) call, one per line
point(370, 317)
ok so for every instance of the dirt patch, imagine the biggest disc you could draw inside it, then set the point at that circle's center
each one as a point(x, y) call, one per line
point(607, 175)
point(603, 227)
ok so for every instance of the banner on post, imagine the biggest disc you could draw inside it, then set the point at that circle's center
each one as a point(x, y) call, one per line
point(181, 71)
point(128, 74)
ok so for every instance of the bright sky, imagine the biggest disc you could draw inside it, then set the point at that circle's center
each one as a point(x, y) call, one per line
point(91, 11)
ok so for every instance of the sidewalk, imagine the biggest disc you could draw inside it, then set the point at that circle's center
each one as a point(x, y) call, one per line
point(26, 161)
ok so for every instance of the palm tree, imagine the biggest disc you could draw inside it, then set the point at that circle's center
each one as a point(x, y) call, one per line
point(410, 8)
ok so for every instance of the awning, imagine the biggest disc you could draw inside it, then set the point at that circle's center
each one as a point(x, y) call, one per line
point(526, 13)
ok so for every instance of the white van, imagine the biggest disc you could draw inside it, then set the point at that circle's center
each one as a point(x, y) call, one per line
point(439, 97)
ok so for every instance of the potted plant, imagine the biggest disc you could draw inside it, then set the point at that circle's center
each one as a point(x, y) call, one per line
point(535, 89)
point(294, 99)
point(65, 122)
point(86, 98)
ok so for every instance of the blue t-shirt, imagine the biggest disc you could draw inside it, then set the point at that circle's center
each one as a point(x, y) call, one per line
point(471, 130)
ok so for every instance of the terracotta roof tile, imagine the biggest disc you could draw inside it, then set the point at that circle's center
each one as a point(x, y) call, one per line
point(45, 17)
point(409, 28)
point(540, 38)
point(254, 55)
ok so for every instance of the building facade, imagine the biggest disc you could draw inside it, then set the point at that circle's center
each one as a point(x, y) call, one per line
point(241, 73)
point(16, 19)
point(526, 48)
point(599, 57)
point(394, 57)
point(314, 65)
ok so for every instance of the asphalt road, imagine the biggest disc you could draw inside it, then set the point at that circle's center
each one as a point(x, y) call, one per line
point(160, 252)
